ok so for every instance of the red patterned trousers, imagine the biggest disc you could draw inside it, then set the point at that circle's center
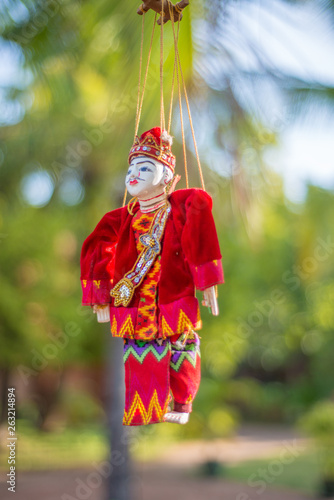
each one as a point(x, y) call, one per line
point(156, 374)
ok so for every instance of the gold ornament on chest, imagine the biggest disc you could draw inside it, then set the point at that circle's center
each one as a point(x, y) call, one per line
point(125, 288)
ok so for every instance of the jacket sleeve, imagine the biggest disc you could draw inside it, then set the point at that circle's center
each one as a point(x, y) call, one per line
point(200, 241)
point(97, 260)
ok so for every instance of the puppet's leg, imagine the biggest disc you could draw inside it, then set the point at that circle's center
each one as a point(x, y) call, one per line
point(147, 384)
point(185, 373)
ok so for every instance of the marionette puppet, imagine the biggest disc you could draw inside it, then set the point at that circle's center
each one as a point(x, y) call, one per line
point(141, 267)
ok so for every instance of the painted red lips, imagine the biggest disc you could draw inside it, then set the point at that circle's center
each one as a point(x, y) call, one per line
point(134, 181)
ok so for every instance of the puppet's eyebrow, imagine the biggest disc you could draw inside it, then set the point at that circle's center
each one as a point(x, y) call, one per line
point(145, 161)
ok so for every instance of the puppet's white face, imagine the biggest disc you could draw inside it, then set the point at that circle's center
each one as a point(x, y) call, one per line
point(145, 177)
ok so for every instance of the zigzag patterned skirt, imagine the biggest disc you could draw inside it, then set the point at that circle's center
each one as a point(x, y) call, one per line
point(157, 375)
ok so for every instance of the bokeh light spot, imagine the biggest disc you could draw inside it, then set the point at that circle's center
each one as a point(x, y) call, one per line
point(37, 188)
point(71, 190)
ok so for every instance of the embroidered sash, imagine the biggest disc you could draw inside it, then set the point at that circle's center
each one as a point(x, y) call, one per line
point(125, 288)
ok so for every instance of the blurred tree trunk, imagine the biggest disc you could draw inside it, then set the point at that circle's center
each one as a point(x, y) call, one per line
point(46, 388)
point(119, 487)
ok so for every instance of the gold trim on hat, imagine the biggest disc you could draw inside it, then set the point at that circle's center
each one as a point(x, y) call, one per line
point(163, 147)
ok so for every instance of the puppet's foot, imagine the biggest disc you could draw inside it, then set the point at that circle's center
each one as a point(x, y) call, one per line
point(176, 417)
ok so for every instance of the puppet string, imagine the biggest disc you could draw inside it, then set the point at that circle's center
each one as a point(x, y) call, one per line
point(174, 71)
point(145, 76)
point(180, 72)
point(180, 103)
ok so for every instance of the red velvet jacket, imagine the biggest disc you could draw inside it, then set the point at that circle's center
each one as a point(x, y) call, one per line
point(190, 257)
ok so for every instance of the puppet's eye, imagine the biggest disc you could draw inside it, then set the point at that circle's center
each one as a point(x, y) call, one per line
point(145, 169)
point(129, 171)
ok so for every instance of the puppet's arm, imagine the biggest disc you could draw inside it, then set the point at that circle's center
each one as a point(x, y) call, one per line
point(97, 263)
point(201, 246)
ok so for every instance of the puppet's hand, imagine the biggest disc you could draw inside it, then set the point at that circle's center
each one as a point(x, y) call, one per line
point(210, 299)
point(102, 312)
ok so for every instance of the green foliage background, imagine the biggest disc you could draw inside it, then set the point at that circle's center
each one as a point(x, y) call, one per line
point(268, 356)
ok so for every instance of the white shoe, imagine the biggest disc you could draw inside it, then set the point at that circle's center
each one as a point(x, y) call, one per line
point(176, 417)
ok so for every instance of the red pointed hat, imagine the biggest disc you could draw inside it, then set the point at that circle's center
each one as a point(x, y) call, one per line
point(155, 144)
